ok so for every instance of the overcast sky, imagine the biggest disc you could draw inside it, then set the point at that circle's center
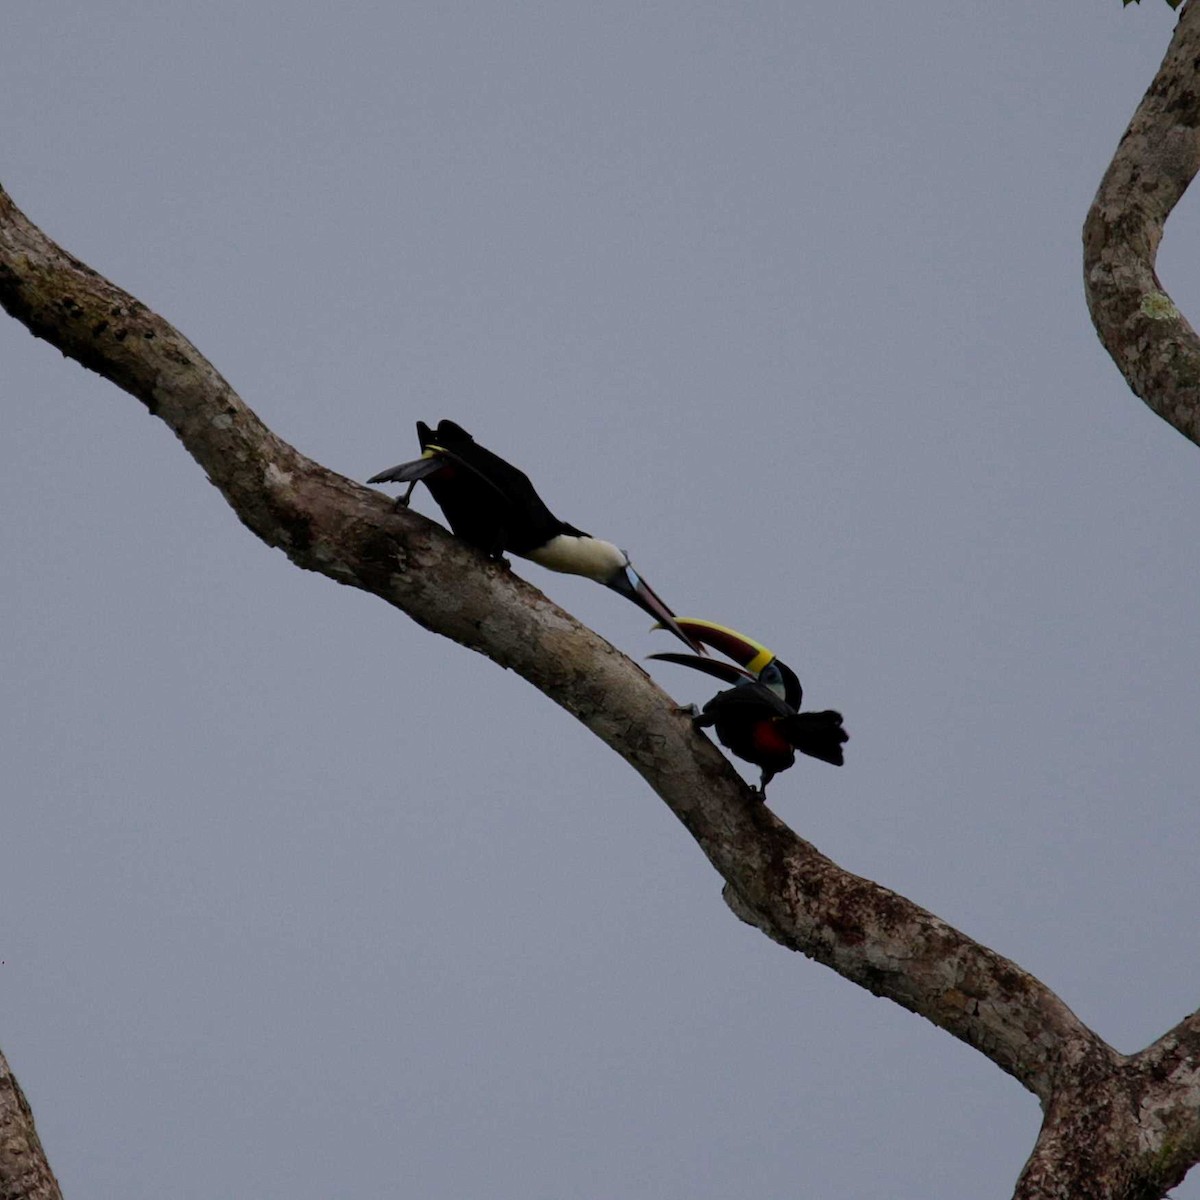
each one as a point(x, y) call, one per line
point(301, 901)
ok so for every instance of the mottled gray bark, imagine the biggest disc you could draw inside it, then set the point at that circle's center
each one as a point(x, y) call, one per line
point(24, 1172)
point(327, 523)
point(1116, 1127)
point(1149, 339)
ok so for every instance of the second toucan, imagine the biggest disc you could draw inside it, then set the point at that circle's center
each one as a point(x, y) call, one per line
point(758, 719)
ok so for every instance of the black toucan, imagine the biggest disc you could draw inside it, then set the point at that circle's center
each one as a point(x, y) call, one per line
point(758, 718)
point(492, 505)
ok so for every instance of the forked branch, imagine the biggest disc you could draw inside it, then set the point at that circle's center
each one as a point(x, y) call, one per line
point(1115, 1126)
point(327, 523)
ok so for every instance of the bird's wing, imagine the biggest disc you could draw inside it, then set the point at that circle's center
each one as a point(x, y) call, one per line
point(481, 471)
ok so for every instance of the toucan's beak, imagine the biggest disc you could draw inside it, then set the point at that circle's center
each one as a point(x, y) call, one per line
point(632, 586)
point(744, 651)
point(757, 661)
point(710, 666)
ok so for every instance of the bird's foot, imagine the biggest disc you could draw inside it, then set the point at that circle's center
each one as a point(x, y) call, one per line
point(402, 501)
point(689, 710)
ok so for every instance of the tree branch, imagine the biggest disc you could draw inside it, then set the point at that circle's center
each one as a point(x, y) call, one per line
point(1135, 1131)
point(1169, 1102)
point(328, 523)
point(24, 1172)
point(1149, 339)
point(775, 880)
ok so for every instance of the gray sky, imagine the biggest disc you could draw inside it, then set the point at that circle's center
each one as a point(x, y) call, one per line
point(302, 902)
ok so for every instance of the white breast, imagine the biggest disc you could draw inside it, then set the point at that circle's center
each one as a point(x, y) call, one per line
point(588, 556)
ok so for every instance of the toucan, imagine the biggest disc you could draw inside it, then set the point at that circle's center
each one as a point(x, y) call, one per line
point(758, 719)
point(491, 504)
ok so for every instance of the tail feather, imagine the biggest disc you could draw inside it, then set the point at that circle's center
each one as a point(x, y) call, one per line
point(817, 734)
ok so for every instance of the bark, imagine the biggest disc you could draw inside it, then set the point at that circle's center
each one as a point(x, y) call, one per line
point(327, 523)
point(1117, 1127)
point(24, 1172)
point(1149, 339)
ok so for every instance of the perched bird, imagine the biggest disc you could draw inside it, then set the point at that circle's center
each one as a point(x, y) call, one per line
point(758, 718)
point(492, 505)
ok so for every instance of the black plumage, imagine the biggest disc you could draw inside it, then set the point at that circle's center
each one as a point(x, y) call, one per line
point(758, 719)
point(486, 500)
point(492, 504)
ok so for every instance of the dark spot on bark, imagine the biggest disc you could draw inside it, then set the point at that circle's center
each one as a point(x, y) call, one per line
point(381, 556)
point(874, 980)
point(121, 334)
point(1160, 1069)
point(1183, 108)
point(99, 328)
point(149, 335)
point(297, 530)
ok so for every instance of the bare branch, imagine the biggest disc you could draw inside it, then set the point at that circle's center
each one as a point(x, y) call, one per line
point(1178, 1048)
point(1169, 1102)
point(24, 1172)
point(327, 523)
point(1158, 352)
point(1151, 342)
